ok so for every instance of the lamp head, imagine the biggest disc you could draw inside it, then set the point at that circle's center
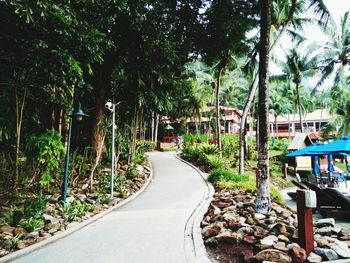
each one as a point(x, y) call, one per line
point(78, 114)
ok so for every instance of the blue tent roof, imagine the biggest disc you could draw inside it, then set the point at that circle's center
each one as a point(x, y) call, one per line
point(307, 150)
point(341, 146)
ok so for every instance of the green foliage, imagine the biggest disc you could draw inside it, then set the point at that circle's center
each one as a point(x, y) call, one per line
point(132, 172)
point(35, 206)
point(145, 146)
point(209, 149)
point(214, 161)
point(250, 186)
point(15, 240)
point(13, 216)
point(32, 224)
point(252, 153)
point(71, 210)
point(119, 182)
point(219, 175)
point(46, 150)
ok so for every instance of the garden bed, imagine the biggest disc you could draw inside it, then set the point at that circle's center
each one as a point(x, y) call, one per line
point(32, 218)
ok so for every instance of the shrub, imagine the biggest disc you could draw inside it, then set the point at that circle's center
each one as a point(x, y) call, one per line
point(15, 240)
point(145, 146)
point(191, 153)
point(132, 172)
point(13, 216)
point(209, 149)
point(35, 206)
point(32, 224)
point(214, 161)
point(46, 149)
point(71, 210)
point(226, 175)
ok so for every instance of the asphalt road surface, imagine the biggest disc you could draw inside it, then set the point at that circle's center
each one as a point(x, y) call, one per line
point(148, 229)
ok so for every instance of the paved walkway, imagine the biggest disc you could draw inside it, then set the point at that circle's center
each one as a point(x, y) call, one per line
point(148, 229)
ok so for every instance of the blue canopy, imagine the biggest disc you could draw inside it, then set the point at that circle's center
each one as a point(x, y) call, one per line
point(307, 151)
point(341, 146)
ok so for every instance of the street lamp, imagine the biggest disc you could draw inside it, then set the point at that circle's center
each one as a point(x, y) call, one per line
point(111, 107)
point(78, 114)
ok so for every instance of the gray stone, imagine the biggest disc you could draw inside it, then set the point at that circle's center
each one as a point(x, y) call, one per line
point(69, 199)
point(139, 168)
point(291, 245)
point(280, 246)
point(50, 219)
point(3, 252)
point(90, 201)
point(21, 244)
point(245, 231)
point(6, 228)
point(314, 258)
point(283, 238)
point(329, 254)
point(325, 222)
point(259, 216)
point(82, 197)
point(211, 242)
point(324, 231)
point(33, 234)
point(340, 248)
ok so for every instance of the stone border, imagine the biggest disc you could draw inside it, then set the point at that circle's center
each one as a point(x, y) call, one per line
point(195, 250)
point(22, 252)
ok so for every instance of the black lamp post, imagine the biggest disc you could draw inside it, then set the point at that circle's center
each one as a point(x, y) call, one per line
point(78, 114)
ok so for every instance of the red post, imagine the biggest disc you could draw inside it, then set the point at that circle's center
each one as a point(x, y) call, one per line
point(305, 223)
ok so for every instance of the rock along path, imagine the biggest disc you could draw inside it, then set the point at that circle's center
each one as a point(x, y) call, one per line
point(148, 229)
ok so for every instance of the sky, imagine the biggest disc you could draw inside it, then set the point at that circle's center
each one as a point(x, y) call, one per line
point(337, 8)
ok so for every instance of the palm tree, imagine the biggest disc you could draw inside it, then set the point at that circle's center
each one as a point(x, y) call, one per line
point(263, 201)
point(296, 68)
point(335, 53)
point(285, 14)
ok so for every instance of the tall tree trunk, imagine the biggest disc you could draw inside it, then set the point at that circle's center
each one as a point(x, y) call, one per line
point(254, 86)
point(218, 126)
point(101, 81)
point(152, 127)
point(299, 107)
point(156, 128)
point(263, 201)
point(53, 110)
point(60, 121)
point(134, 129)
point(19, 118)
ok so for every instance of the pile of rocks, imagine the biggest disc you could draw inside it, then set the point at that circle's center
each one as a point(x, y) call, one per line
point(253, 237)
point(54, 219)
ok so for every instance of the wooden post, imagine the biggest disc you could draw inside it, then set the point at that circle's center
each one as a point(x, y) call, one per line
point(305, 223)
point(285, 170)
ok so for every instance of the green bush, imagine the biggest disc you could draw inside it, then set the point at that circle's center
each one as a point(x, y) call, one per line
point(214, 161)
point(13, 216)
point(191, 153)
point(132, 172)
point(35, 206)
point(226, 175)
point(71, 210)
point(45, 150)
point(15, 240)
point(32, 224)
point(209, 149)
point(144, 146)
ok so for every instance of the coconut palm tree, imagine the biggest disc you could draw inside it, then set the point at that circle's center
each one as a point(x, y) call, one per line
point(297, 67)
point(335, 53)
point(285, 14)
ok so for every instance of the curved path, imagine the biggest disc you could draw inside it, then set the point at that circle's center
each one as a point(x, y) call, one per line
point(148, 229)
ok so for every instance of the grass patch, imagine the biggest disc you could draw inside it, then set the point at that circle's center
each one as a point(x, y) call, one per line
point(251, 186)
point(226, 175)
